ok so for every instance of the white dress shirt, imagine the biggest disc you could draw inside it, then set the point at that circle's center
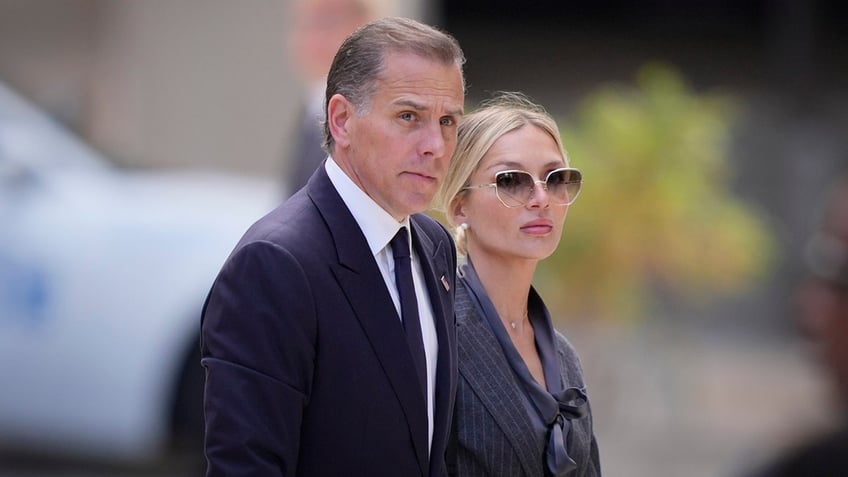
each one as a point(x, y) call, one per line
point(379, 227)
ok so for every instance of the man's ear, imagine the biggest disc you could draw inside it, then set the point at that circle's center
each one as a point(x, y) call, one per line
point(339, 111)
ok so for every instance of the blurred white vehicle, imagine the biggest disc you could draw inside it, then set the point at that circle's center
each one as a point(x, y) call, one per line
point(103, 274)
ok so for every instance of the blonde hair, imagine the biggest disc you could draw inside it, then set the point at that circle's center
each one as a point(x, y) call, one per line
point(477, 132)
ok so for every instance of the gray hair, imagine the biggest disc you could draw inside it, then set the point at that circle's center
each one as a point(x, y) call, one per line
point(357, 66)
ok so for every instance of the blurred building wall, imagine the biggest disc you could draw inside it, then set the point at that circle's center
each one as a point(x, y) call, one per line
point(192, 83)
point(46, 52)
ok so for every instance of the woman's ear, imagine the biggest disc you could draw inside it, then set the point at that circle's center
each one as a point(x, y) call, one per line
point(457, 210)
point(339, 111)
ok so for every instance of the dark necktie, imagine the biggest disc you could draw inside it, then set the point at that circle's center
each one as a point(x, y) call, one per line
point(409, 304)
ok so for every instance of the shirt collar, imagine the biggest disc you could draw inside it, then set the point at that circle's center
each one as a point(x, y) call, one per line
point(378, 226)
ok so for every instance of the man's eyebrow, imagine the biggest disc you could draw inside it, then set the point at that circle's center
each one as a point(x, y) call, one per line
point(420, 107)
point(412, 104)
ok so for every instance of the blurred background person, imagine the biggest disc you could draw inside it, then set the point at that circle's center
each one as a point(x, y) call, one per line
point(317, 30)
point(521, 387)
point(822, 300)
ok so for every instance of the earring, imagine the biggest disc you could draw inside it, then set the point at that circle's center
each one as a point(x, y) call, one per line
point(463, 226)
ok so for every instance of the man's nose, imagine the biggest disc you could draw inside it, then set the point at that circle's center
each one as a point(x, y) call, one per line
point(433, 142)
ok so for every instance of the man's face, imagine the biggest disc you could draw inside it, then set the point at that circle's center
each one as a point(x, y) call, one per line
point(397, 148)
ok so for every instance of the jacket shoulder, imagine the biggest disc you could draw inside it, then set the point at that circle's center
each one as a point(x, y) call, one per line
point(569, 361)
point(432, 227)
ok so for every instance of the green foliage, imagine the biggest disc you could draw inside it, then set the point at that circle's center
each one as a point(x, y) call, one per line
point(655, 210)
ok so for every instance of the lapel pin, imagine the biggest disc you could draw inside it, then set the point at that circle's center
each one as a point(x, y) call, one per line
point(445, 283)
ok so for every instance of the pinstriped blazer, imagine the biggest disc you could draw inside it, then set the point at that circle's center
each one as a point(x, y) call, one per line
point(492, 434)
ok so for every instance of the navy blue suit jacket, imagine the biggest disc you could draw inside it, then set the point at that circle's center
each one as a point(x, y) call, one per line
point(307, 368)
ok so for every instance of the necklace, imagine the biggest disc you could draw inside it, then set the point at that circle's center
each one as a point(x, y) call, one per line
point(514, 324)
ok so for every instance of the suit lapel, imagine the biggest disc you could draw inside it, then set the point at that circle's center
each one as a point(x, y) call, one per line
point(436, 267)
point(363, 285)
point(483, 365)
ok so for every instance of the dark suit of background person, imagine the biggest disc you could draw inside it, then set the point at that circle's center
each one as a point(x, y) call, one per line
point(308, 368)
point(521, 405)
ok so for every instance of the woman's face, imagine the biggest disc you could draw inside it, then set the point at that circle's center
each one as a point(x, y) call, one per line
point(531, 231)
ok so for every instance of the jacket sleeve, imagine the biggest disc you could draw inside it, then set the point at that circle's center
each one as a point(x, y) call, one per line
point(257, 345)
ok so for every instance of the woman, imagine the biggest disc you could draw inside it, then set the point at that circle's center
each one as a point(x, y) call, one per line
point(521, 407)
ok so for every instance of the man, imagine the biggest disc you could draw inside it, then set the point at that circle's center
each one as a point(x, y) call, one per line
point(318, 28)
point(308, 367)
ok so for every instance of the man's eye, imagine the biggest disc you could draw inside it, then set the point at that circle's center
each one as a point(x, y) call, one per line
point(448, 122)
point(407, 116)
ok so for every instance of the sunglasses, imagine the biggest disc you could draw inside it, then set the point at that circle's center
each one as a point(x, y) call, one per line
point(515, 188)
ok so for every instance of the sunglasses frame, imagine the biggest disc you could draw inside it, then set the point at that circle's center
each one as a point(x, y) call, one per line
point(533, 188)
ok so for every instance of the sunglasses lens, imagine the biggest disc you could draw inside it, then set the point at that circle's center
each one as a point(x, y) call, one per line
point(514, 187)
point(564, 185)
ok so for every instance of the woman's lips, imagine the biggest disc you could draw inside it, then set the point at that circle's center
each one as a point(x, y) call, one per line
point(538, 226)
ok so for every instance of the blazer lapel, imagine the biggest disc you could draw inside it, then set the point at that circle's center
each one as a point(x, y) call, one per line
point(485, 368)
point(363, 285)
